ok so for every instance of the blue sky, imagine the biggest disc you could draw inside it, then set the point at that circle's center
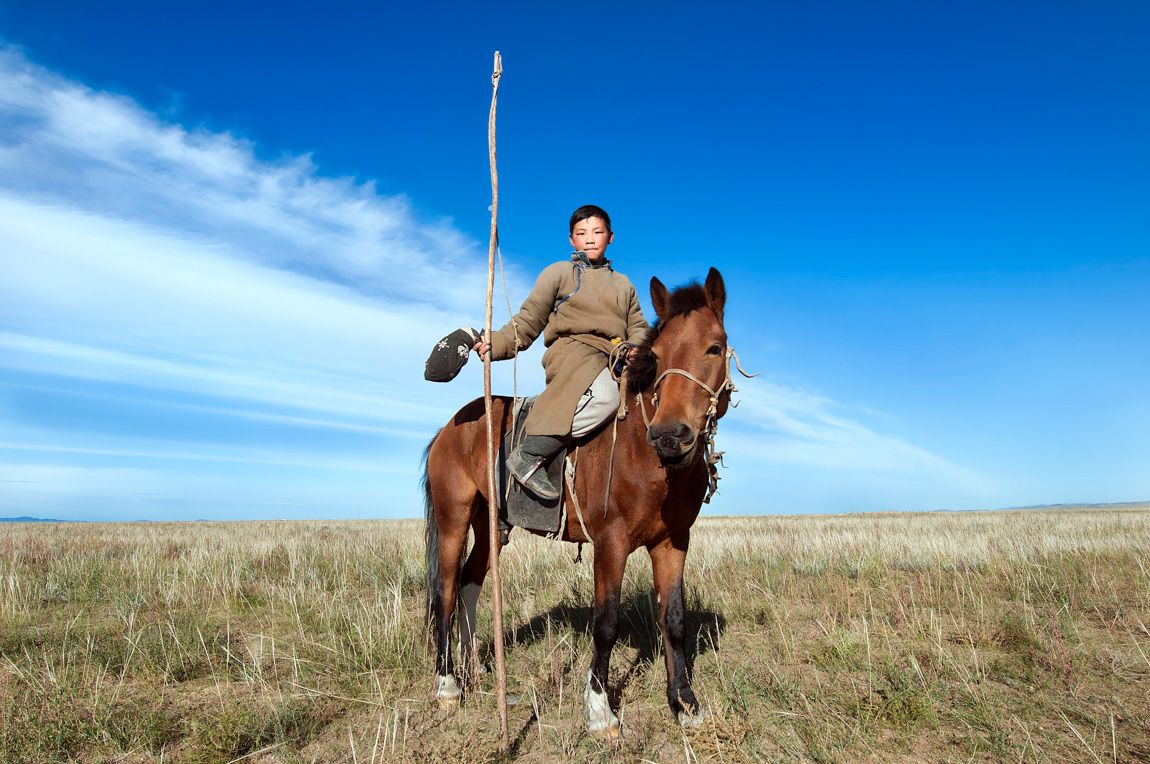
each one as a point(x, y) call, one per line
point(230, 234)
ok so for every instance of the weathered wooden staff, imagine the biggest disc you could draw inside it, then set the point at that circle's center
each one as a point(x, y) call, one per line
point(492, 496)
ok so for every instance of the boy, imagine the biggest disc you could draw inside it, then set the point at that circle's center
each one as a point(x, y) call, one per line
point(583, 307)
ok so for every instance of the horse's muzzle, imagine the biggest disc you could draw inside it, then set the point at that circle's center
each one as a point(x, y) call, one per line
point(673, 442)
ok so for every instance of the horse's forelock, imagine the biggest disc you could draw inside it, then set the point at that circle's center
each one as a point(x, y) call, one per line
point(684, 300)
point(641, 369)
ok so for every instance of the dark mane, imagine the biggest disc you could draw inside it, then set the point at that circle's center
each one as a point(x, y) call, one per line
point(641, 369)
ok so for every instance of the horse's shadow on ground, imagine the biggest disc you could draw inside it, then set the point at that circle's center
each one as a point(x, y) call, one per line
point(638, 630)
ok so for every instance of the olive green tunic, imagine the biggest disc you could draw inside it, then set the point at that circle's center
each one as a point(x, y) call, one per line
point(578, 333)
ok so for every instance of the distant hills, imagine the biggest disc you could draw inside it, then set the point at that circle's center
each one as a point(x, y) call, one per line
point(30, 520)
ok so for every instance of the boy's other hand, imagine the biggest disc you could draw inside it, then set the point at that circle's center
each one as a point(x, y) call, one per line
point(482, 347)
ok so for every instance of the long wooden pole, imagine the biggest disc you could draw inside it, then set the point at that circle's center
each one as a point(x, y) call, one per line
point(492, 496)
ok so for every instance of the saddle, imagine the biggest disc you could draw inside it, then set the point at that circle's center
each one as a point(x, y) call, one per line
point(518, 507)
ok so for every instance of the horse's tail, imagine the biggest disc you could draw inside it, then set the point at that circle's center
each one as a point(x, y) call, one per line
point(434, 577)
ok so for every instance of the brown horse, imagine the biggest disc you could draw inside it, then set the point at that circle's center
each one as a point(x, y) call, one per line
point(659, 467)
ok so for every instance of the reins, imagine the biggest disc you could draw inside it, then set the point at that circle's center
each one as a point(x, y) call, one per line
point(617, 354)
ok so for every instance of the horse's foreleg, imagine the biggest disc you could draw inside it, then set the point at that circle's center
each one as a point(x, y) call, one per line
point(610, 561)
point(667, 568)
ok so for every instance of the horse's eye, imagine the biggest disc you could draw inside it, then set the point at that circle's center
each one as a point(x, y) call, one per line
point(715, 349)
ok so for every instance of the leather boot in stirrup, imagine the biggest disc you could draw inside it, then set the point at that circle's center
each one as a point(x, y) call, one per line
point(527, 463)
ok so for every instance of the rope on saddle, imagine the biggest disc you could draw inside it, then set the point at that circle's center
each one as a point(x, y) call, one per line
point(569, 478)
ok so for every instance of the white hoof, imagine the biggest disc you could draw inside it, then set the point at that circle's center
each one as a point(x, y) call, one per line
point(601, 720)
point(692, 720)
point(447, 690)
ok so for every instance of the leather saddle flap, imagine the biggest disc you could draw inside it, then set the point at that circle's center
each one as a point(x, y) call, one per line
point(517, 506)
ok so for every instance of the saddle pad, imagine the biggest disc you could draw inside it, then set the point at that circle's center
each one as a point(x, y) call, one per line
point(520, 507)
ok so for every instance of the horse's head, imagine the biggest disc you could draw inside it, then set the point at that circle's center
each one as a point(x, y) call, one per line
point(685, 360)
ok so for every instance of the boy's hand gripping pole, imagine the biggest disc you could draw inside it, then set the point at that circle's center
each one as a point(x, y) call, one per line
point(492, 496)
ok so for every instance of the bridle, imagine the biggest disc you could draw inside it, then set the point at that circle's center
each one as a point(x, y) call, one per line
point(711, 424)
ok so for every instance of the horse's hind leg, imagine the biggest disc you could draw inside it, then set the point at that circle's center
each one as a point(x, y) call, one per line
point(452, 517)
point(471, 584)
point(453, 499)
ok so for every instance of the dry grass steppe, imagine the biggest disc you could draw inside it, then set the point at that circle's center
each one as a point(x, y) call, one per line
point(993, 636)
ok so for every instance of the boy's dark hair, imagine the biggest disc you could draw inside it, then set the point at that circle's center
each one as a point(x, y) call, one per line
point(589, 211)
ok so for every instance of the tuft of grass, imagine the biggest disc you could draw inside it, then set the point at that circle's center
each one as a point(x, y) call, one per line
point(243, 725)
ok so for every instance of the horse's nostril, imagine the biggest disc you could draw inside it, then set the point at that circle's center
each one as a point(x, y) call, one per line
point(671, 437)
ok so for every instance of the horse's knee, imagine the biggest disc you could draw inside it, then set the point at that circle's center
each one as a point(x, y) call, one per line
point(469, 599)
point(674, 615)
point(606, 628)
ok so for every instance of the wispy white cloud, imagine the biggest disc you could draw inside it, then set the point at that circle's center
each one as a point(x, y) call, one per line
point(107, 301)
point(801, 451)
point(805, 428)
point(205, 453)
point(63, 142)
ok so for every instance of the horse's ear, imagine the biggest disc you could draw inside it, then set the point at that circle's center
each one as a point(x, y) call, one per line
point(660, 297)
point(716, 293)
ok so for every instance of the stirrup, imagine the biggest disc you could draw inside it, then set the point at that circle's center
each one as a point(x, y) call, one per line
point(534, 478)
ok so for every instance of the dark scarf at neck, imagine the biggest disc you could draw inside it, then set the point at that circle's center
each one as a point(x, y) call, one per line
point(581, 257)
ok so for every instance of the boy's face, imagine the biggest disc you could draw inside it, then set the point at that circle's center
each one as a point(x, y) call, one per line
point(591, 236)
